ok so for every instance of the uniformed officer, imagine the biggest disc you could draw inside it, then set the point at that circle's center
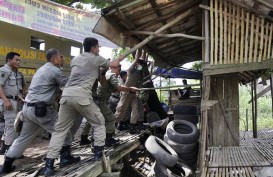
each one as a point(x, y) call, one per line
point(38, 111)
point(77, 101)
point(129, 100)
point(103, 94)
point(12, 84)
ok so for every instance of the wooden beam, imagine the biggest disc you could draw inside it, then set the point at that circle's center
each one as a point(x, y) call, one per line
point(171, 23)
point(261, 93)
point(96, 168)
point(233, 68)
point(174, 35)
point(203, 125)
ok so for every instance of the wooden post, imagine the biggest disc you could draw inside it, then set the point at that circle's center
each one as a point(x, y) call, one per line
point(271, 86)
point(246, 119)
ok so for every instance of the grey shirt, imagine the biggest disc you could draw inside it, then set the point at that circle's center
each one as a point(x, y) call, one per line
point(134, 77)
point(84, 72)
point(104, 92)
point(45, 84)
point(11, 81)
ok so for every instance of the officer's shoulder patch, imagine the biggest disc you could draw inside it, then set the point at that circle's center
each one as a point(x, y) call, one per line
point(3, 74)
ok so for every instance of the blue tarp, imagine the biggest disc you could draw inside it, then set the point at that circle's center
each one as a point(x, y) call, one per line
point(178, 73)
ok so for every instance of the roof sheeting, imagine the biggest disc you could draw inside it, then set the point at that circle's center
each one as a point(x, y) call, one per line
point(129, 22)
point(178, 73)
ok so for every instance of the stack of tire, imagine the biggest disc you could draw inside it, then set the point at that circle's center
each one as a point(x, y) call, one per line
point(167, 162)
point(186, 112)
point(182, 137)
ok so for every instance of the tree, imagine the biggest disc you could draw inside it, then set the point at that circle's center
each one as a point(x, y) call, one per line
point(98, 4)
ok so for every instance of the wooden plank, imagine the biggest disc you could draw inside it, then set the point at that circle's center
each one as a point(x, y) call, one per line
point(234, 68)
point(216, 33)
point(237, 37)
point(211, 33)
point(246, 38)
point(242, 36)
point(266, 41)
point(261, 42)
point(221, 32)
point(256, 39)
point(233, 35)
point(225, 32)
point(251, 38)
point(270, 41)
point(229, 33)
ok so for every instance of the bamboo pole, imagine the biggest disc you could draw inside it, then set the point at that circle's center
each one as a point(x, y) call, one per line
point(242, 36)
point(251, 38)
point(229, 33)
point(237, 37)
point(221, 32)
point(167, 87)
point(256, 39)
point(261, 42)
point(246, 38)
point(266, 41)
point(174, 35)
point(206, 37)
point(225, 32)
point(149, 38)
point(270, 40)
point(233, 34)
point(211, 33)
point(216, 32)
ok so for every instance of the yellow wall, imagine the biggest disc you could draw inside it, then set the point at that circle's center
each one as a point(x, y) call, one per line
point(18, 39)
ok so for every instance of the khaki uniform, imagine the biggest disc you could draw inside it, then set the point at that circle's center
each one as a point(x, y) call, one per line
point(12, 83)
point(77, 102)
point(44, 85)
point(130, 100)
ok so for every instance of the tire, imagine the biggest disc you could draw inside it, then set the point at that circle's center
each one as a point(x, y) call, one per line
point(182, 132)
point(161, 151)
point(180, 148)
point(184, 109)
point(180, 169)
point(191, 118)
point(163, 171)
point(189, 155)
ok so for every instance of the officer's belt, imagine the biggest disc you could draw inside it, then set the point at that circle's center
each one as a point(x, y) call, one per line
point(98, 98)
point(33, 104)
point(115, 96)
point(12, 97)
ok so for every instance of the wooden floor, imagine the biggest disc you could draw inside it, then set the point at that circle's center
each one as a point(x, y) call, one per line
point(86, 167)
point(241, 161)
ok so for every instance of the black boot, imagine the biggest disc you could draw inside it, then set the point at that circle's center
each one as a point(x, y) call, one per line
point(123, 126)
point(140, 126)
point(110, 141)
point(66, 157)
point(4, 148)
point(7, 166)
point(48, 171)
point(84, 140)
point(98, 152)
point(133, 129)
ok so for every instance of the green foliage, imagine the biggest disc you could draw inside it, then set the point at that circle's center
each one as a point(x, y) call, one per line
point(197, 66)
point(120, 51)
point(264, 114)
point(98, 4)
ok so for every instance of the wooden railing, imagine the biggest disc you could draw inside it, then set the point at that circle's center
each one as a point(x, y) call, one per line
point(237, 36)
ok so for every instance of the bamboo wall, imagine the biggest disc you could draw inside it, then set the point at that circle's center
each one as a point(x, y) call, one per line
point(236, 36)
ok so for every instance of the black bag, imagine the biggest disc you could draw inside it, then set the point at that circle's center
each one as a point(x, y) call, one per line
point(40, 109)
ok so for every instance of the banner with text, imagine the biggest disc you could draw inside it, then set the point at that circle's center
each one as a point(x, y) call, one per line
point(52, 18)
